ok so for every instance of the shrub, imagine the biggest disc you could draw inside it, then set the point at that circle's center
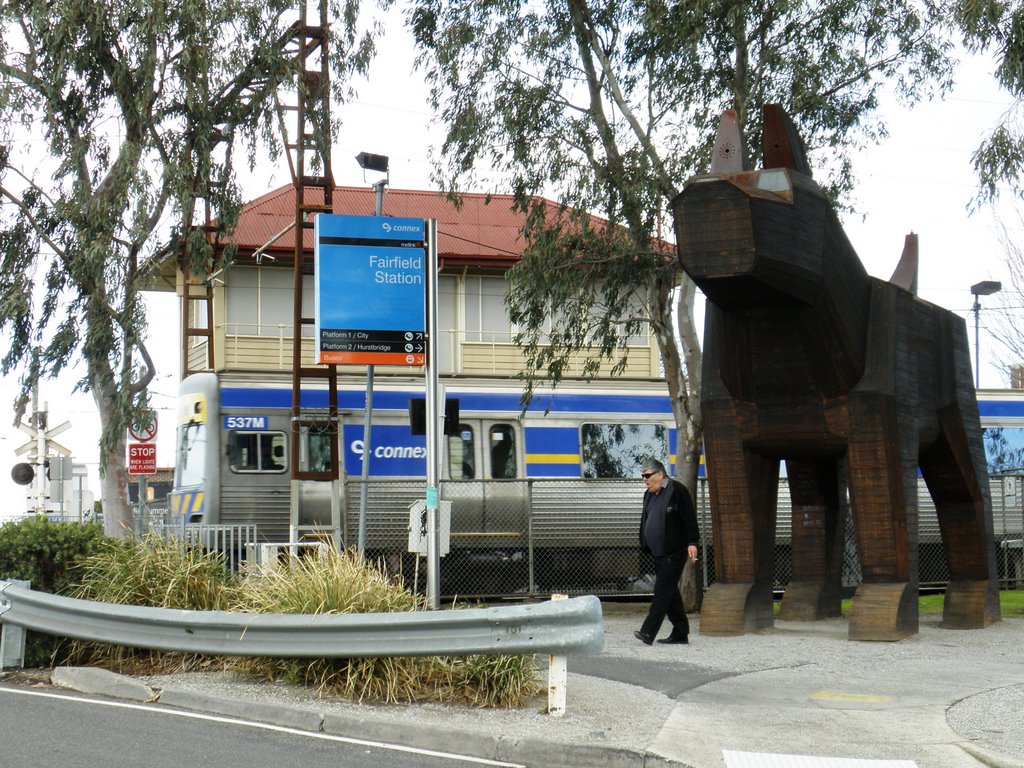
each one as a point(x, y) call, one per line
point(153, 571)
point(168, 574)
point(46, 554)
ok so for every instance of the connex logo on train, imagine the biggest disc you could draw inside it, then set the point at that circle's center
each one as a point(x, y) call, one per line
point(245, 422)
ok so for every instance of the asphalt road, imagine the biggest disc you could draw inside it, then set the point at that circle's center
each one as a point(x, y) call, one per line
point(50, 729)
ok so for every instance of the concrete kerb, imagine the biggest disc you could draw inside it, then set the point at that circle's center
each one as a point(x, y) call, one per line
point(285, 715)
point(101, 682)
point(986, 757)
point(528, 751)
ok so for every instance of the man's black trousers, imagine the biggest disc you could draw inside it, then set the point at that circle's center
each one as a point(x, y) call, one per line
point(667, 601)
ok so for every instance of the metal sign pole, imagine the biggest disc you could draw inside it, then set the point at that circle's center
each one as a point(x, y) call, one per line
point(141, 525)
point(433, 424)
point(378, 210)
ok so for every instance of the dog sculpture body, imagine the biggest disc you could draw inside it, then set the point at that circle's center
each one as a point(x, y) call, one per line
point(854, 381)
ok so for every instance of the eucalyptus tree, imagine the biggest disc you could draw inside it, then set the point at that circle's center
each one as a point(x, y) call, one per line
point(997, 26)
point(118, 123)
point(609, 107)
point(1002, 318)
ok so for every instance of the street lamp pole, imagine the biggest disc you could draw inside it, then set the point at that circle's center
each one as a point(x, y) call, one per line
point(984, 288)
point(369, 162)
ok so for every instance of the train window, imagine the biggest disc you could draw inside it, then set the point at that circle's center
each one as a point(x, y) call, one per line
point(188, 468)
point(460, 454)
point(257, 452)
point(1004, 449)
point(618, 450)
point(318, 449)
point(503, 452)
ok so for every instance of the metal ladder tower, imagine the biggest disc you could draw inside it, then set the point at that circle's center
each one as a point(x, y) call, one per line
point(309, 160)
point(308, 149)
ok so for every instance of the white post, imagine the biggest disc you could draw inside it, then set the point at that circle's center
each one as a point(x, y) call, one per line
point(378, 210)
point(12, 639)
point(433, 424)
point(557, 677)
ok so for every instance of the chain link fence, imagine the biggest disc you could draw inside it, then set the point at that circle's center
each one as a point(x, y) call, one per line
point(573, 536)
point(538, 537)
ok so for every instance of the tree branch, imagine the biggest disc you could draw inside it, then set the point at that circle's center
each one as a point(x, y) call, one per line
point(588, 37)
point(27, 213)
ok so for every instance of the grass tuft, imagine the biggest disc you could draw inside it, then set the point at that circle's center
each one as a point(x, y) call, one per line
point(341, 583)
point(155, 572)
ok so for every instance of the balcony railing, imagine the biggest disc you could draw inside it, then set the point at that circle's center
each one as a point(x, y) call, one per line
point(251, 347)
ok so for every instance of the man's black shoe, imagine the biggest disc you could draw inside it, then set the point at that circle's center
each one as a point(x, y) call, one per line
point(672, 640)
point(645, 639)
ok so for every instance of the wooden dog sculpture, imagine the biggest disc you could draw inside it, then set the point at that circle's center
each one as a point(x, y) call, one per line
point(853, 381)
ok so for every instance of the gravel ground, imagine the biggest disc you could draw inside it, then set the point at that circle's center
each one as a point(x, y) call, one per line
point(992, 719)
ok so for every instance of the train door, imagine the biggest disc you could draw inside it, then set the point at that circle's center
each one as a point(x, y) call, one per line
point(489, 501)
point(485, 450)
point(254, 484)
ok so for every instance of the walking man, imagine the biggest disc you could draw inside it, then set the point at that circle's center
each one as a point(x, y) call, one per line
point(668, 530)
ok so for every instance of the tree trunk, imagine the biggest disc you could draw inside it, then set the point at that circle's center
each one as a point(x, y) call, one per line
point(682, 374)
point(117, 515)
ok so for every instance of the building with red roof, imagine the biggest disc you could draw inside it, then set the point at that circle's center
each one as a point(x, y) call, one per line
point(479, 240)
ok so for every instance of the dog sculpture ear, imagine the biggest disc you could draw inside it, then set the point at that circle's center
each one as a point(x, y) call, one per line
point(729, 155)
point(781, 145)
point(905, 276)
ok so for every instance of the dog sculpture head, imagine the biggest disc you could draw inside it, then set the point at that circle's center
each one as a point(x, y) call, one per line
point(759, 238)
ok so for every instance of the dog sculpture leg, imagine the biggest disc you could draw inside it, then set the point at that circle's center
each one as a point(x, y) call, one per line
point(882, 470)
point(819, 522)
point(745, 486)
point(960, 491)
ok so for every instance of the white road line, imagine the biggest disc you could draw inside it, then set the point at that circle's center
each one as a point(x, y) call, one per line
point(153, 709)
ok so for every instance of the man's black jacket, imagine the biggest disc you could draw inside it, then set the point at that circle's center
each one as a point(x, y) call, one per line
point(680, 519)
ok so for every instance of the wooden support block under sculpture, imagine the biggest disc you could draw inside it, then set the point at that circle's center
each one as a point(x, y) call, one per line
point(854, 381)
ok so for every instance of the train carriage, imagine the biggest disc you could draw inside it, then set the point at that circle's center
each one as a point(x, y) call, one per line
point(542, 499)
point(553, 488)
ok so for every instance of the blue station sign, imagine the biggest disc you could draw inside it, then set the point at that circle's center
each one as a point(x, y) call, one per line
point(370, 290)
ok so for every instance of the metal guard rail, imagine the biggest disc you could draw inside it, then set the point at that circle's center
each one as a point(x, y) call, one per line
point(557, 627)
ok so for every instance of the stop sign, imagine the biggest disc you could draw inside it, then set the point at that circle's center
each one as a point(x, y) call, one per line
point(141, 458)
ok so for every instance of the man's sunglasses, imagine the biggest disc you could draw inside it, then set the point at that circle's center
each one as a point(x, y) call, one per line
point(645, 475)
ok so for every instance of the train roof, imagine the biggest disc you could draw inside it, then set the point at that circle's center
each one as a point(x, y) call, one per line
point(1001, 406)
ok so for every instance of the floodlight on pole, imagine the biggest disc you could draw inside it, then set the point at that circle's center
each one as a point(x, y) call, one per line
point(984, 288)
point(371, 162)
point(379, 163)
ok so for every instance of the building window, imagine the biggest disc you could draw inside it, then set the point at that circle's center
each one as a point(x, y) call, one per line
point(486, 316)
point(259, 301)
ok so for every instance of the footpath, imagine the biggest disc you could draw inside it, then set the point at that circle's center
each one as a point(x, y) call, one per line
point(799, 695)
